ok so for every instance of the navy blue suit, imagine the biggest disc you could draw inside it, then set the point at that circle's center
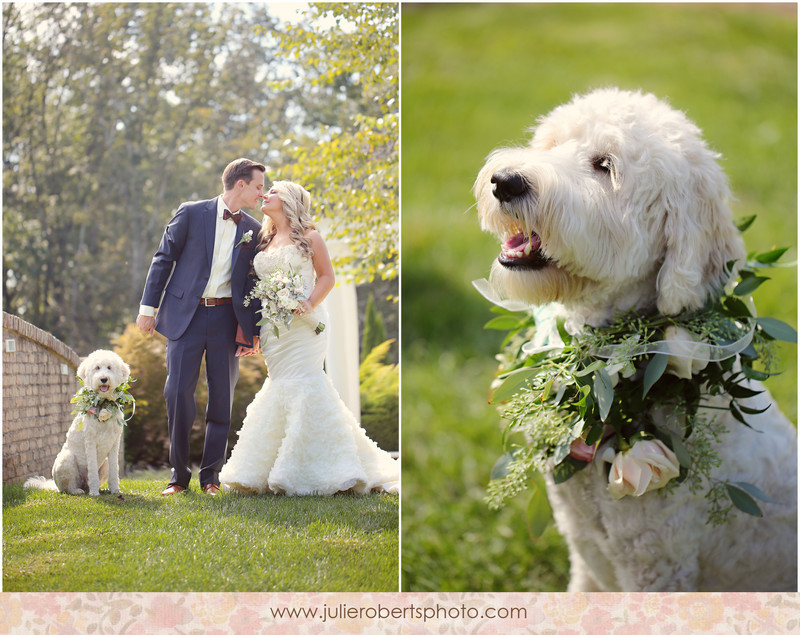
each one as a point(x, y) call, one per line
point(175, 283)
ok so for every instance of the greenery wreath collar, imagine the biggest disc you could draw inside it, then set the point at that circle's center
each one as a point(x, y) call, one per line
point(104, 405)
point(572, 397)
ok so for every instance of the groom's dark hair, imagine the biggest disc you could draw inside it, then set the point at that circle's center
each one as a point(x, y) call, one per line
point(240, 169)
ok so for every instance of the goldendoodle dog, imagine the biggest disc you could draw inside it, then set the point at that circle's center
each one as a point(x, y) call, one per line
point(617, 206)
point(90, 455)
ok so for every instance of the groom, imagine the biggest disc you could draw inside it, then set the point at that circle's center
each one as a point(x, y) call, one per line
point(201, 270)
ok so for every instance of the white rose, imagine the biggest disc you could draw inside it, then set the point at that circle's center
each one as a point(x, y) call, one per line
point(648, 465)
point(104, 414)
point(291, 304)
point(688, 356)
point(284, 297)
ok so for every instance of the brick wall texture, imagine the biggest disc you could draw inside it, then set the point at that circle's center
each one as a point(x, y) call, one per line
point(38, 382)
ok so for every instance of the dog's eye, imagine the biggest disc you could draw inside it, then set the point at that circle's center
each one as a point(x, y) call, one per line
point(603, 164)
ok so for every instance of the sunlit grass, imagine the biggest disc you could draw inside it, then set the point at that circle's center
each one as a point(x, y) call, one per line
point(192, 542)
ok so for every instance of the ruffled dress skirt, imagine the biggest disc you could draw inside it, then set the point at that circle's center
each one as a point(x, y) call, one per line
point(298, 437)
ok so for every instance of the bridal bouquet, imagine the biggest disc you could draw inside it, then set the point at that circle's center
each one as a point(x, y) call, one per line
point(280, 293)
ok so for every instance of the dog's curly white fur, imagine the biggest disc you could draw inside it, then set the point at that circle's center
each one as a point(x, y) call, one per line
point(617, 203)
point(90, 455)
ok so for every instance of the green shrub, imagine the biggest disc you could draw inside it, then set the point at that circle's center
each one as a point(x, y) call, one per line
point(374, 328)
point(380, 397)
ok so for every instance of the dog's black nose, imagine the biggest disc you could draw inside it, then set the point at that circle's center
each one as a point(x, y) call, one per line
point(104, 380)
point(508, 184)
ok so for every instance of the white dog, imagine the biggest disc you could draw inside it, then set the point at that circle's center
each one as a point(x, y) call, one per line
point(617, 204)
point(90, 455)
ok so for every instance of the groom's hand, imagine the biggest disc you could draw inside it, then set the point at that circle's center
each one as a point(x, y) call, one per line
point(146, 323)
point(244, 351)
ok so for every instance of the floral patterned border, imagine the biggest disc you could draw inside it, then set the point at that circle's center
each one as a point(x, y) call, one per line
point(562, 613)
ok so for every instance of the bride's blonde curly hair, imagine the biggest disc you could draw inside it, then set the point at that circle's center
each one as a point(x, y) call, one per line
point(297, 208)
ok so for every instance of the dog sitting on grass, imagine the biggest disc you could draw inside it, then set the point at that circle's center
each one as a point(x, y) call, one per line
point(90, 455)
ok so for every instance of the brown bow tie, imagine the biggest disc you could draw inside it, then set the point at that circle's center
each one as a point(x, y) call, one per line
point(234, 217)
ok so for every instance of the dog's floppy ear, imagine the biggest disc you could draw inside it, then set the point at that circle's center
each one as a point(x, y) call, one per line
point(83, 368)
point(125, 370)
point(699, 236)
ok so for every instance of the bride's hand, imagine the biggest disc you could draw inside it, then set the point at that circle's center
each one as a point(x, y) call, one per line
point(305, 307)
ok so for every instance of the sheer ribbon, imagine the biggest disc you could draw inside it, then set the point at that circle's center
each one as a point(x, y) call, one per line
point(548, 338)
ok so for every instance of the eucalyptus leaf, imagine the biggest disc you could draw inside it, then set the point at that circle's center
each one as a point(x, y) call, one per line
point(590, 368)
point(503, 323)
point(754, 491)
point(594, 434)
point(561, 452)
point(750, 351)
point(740, 392)
point(742, 224)
point(604, 391)
point(777, 329)
point(742, 500)
point(510, 384)
point(560, 394)
point(736, 308)
point(758, 375)
point(500, 468)
point(684, 458)
point(546, 389)
point(538, 513)
point(774, 255)
point(655, 369)
point(567, 469)
point(748, 285)
point(739, 416)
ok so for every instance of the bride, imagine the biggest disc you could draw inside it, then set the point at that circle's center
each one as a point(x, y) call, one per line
point(298, 437)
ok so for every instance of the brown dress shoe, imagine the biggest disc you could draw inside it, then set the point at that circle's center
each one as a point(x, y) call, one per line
point(173, 488)
point(211, 489)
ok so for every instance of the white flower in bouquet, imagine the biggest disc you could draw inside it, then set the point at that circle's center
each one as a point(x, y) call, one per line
point(688, 357)
point(646, 466)
point(287, 300)
point(280, 294)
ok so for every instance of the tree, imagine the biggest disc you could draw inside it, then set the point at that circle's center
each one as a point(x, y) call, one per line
point(349, 159)
point(113, 114)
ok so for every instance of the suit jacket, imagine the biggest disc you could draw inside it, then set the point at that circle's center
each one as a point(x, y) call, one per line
point(182, 265)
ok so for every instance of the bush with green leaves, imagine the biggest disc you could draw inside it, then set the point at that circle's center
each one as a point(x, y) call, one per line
point(380, 397)
point(374, 328)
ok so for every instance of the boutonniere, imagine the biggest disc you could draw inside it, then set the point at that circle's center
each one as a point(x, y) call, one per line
point(246, 238)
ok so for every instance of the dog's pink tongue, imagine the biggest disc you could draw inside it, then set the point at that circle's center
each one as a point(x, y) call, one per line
point(521, 244)
point(103, 389)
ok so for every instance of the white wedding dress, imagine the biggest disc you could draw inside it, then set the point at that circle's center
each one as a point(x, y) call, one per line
point(298, 437)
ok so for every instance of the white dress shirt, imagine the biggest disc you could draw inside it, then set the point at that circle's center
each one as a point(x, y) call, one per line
point(219, 281)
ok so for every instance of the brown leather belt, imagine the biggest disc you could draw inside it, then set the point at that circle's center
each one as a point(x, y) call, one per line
point(215, 301)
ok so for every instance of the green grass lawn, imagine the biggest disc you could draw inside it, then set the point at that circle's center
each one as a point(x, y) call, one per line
point(193, 542)
point(475, 77)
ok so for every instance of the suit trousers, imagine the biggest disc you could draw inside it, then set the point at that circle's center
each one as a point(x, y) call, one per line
point(212, 331)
